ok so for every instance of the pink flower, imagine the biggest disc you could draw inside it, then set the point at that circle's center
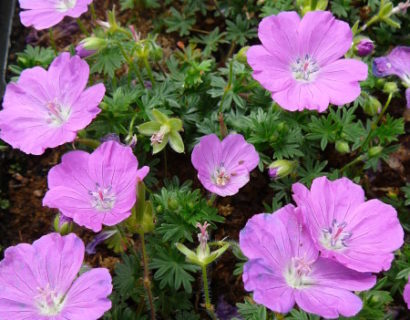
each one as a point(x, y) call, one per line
point(40, 282)
point(95, 189)
point(397, 62)
point(300, 62)
point(45, 109)
point(406, 294)
point(224, 167)
point(285, 268)
point(361, 235)
point(43, 14)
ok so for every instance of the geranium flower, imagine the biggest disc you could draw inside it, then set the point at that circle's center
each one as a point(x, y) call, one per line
point(300, 63)
point(223, 166)
point(40, 282)
point(406, 294)
point(397, 62)
point(361, 235)
point(43, 14)
point(45, 109)
point(95, 189)
point(285, 268)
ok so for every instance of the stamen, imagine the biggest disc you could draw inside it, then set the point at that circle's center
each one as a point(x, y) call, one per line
point(220, 176)
point(305, 69)
point(102, 199)
point(334, 237)
point(48, 302)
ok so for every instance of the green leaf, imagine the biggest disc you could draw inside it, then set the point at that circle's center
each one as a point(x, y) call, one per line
point(172, 270)
point(181, 23)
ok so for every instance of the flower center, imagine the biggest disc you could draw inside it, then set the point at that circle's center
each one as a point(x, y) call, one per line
point(65, 5)
point(48, 302)
point(305, 69)
point(334, 238)
point(102, 199)
point(297, 273)
point(58, 114)
point(220, 176)
point(157, 138)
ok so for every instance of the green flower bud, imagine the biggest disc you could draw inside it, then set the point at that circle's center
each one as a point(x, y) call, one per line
point(93, 43)
point(375, 151)
point(281, 168)
point(390, 87)
point(241, 55)
point(62, 224)
point(342, 146)
point(372, 106)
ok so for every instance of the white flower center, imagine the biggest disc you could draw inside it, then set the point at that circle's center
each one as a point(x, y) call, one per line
point(57, 113)
point(334, 237)
point(102, 199)
point(305, 69)
point(65, 5)
point(48, 302)
point(220, 176)
point(297, 273)
point(406, 79)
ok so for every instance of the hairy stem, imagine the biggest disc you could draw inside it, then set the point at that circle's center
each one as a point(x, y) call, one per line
point(52, 40)
point(147, 280)
point(149, 70)
point(228, 86)
point(82, 27)
point(208, 305)
point(376, 122)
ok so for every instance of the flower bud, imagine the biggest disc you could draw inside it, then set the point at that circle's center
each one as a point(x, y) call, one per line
point(372, 106)
point(390, 87)
point(281, 168)
point(364, 47)
point(241, 55)
point(342, 146)
point(375, 151)
point(82, 52)
point(62, 224)
point(93, 43)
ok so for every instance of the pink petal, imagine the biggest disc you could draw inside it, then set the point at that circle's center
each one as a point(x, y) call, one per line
point(328, 302)
point(324, 37)
point(88, 297)
point(55, 269)
point(300, 96)
point(207, 153)
point(268, 70)
point(329, 273)
point(269, 288)
point(85, 108)
point(72, 172)
point(236, 152)
point(406, 294)
point(69, 76)
point(40, 18)
point(279, 36)
point(340, 80)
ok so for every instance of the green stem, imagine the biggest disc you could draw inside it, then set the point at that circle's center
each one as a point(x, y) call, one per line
point(373, 20)
point(165, 162)
point(351, 163)
point(52, 41)
point(82, 27)
point(375, 123)
point(93, 14)
point(138, 73)
point(147, 281)
point(208, 305)
point(88, 142)
point(149, 70)
point(228, 86)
